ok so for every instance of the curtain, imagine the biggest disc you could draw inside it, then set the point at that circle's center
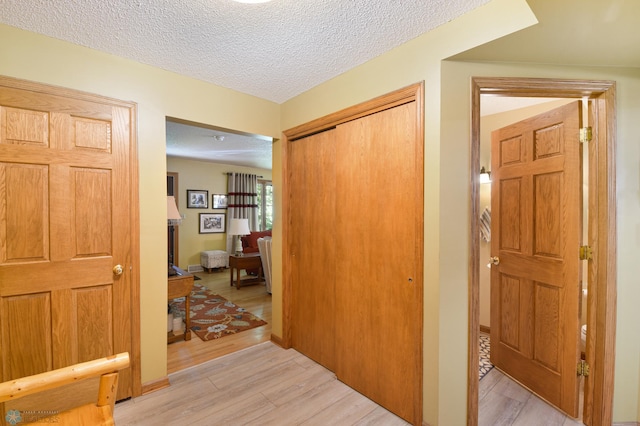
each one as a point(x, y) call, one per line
point(242, 194)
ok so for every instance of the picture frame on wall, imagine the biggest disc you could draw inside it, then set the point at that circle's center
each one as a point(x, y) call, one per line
point(219, 201)
point(197, 199)
point(212, 223)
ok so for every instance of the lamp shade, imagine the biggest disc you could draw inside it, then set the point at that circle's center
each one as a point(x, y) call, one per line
point(172, 209)
point(239, 227)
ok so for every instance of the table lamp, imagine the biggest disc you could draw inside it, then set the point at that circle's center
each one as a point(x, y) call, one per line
point(239, 227)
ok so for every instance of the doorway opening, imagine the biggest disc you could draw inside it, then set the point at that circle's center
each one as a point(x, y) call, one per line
point(601, 230)
point(200, 158)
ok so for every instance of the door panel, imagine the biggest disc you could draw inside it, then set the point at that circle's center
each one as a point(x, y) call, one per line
point(91, 193)
point(313, 243)
point(536, 230)
point(378, 303)
point(547, 225)
point(25, 236)
point(546, 328)
point(64, 224)
point(355, 247)
point(27, 340)
point(92, 309)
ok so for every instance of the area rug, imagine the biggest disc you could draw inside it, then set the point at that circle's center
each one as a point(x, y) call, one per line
point(485, 351)
point(213, 316)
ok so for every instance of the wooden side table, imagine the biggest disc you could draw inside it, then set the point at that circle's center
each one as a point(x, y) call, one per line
point(246, 261)
point(180, 286)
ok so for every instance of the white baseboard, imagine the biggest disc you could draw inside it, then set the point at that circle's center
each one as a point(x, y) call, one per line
point(194, 268)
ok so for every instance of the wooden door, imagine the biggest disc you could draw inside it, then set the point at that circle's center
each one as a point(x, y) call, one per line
point(354, 247)
point(536, 229)
point(64, 226)
point(378, 254)
point(313, 243)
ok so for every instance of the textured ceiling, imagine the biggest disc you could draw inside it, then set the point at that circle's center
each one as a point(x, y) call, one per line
point(274, 50)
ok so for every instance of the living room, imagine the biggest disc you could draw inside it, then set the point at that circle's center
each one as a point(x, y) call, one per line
point(199, 160)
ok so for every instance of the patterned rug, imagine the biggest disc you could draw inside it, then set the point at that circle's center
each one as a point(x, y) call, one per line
point(213, 316)
point(485, 351)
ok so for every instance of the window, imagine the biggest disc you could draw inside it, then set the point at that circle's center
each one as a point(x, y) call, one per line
point(265, 205)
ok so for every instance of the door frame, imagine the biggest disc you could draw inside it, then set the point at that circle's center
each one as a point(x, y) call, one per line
point(601, 318)
point(133, 201)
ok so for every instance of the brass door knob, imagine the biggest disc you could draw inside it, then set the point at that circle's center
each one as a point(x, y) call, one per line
point(495, 260)
point(117, 270)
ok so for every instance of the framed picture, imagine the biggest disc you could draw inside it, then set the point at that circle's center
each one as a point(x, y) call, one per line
point(219, 201)
point(197, 199)
point(212, 223)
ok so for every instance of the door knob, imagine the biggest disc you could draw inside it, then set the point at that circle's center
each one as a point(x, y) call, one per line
point(117, 270)
point(495, 260)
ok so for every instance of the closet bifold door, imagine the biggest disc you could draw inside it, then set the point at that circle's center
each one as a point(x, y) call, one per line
point(352, 264)
point(313, 246)
point(378, 245)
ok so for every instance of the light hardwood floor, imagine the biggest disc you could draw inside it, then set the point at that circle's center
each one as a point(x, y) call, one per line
point(255, 299)
point(244, 379)
point(261, 385)
point(268, 385)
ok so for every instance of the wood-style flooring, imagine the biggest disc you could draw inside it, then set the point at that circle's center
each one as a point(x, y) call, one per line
point(245, 379)
point(262, 385)
point(255, 299)
point(268, 385)
point(502, 401)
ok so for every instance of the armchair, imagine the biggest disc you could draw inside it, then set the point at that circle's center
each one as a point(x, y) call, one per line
point(250, 245)
point(264, 246)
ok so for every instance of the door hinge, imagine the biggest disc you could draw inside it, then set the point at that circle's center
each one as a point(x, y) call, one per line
point(586, 134)
point(586, 253)
point(583, 368)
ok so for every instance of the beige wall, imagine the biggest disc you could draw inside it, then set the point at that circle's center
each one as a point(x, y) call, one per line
point(207, 176)
point(158, 94)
